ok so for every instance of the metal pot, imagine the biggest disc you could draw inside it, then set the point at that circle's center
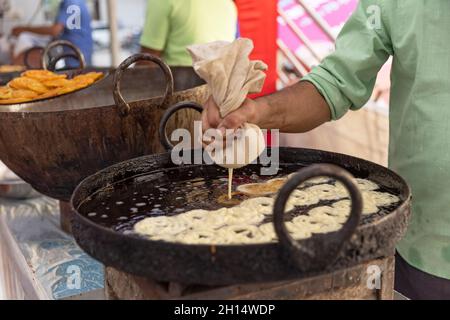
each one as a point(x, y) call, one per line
point(359, 240)
point(53, 144)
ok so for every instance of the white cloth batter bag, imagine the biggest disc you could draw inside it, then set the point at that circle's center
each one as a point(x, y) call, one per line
point(231, 76)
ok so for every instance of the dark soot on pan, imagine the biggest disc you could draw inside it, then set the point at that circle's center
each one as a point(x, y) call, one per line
point(180, 189)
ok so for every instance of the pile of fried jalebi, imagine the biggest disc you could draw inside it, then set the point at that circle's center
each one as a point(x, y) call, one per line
point(40, 84)
point(6, 68)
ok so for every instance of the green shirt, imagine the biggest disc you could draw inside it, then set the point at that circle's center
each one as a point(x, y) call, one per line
point(417, 34)
point(172, 25)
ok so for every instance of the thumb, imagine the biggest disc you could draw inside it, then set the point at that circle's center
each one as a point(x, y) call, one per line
point(230, 122)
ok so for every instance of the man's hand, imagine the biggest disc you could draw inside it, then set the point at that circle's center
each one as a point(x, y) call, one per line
point(17, 31)
point(211, 116)
point(295, 109)
point(53, 30)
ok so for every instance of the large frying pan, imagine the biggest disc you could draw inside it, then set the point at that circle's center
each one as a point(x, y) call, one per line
point(53, 144)
point(48, 59)
point(356, 242)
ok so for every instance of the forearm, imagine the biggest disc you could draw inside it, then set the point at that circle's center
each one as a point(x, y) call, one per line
point(53, 30)
point(296, 109)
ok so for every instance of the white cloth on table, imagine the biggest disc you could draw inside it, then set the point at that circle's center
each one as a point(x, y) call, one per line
point(38, 260)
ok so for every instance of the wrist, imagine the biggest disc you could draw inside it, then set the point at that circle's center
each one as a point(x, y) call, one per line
point(259, 110)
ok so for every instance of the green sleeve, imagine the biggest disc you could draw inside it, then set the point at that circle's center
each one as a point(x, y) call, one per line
point(346, 78)
point(157, 24)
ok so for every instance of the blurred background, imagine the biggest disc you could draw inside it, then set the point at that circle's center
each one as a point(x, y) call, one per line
point(291, 36)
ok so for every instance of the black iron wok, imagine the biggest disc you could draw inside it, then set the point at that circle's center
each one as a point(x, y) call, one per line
point(356, 242)
point(53, 144)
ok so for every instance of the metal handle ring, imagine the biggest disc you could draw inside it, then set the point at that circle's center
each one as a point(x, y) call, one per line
point(325, 247)
point(46, 59)
point(163, 138)
point(124, 107)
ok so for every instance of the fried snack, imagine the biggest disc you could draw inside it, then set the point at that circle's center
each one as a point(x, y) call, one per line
point(5, 92)
point(93, 75)
point(56, 83)
point(23, 93)
point(88, 78)
point(28, 84)
point(42, 75)
point(73, 86)
point(83, 81)
point(50, 94)
point(11, 68)
point(262, 189)
point(35, 85)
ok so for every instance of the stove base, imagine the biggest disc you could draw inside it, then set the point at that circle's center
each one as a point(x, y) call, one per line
point(362, 282)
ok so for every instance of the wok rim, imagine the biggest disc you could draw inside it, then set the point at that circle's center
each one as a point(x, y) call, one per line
point(406, 193)
point(10, 113)
point(106, 73)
